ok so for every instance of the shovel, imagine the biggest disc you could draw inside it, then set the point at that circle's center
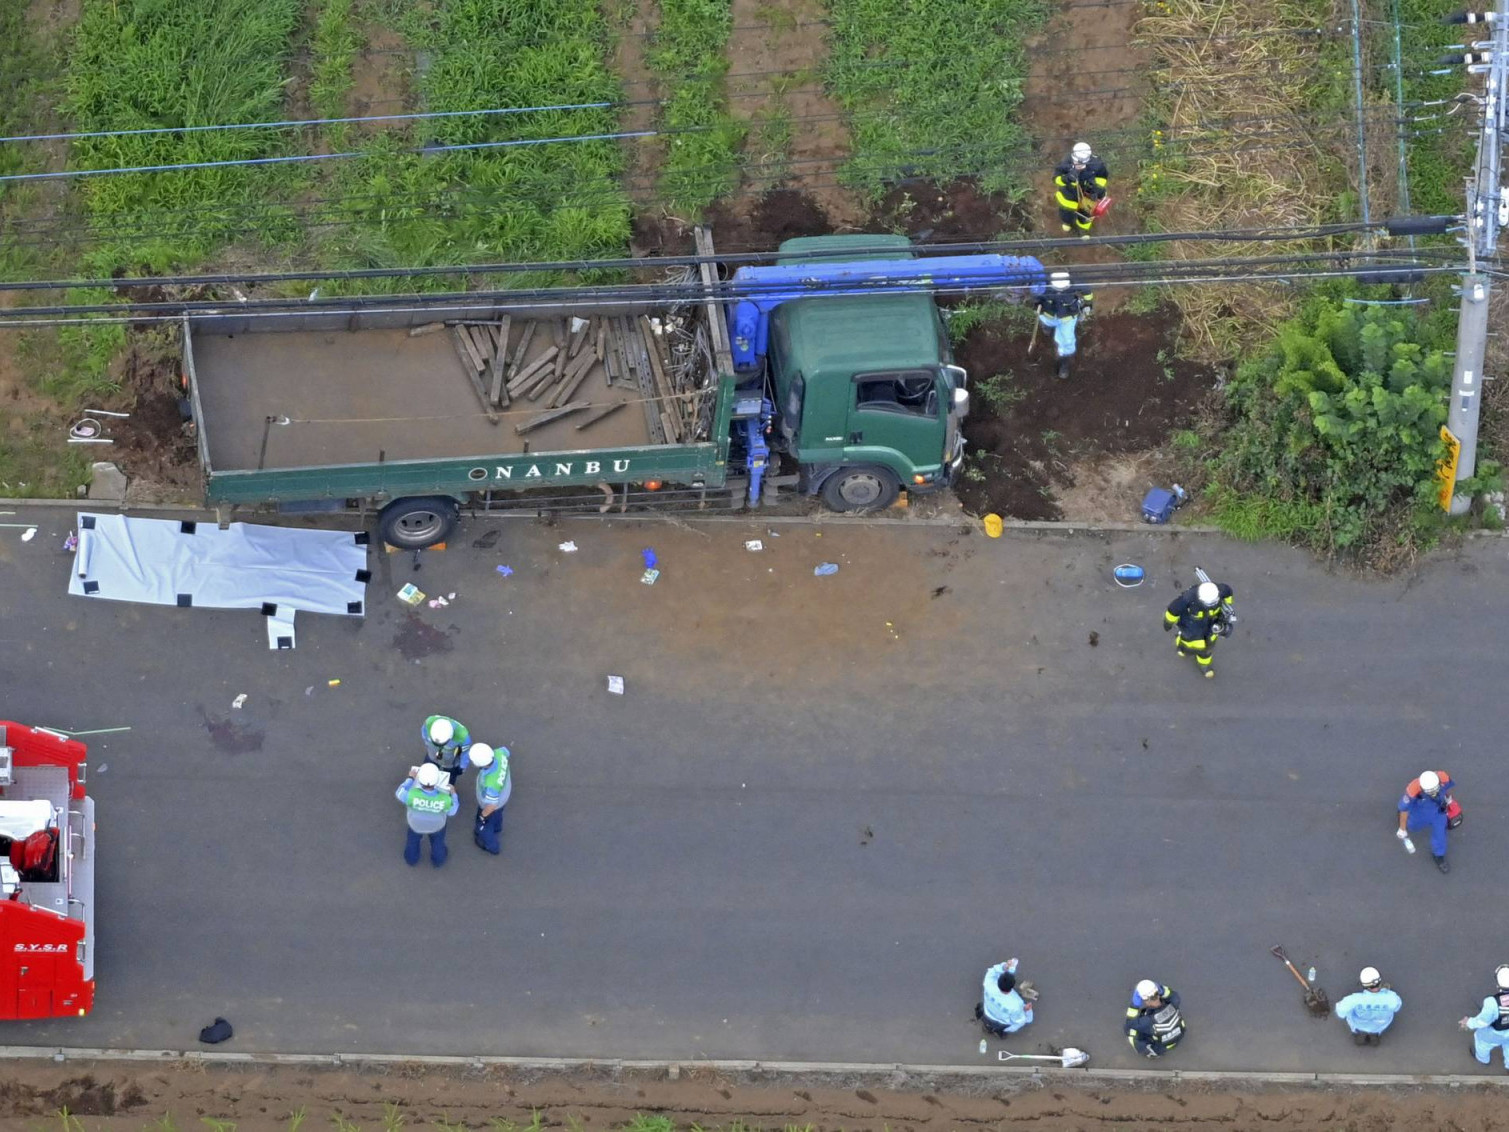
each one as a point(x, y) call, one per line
point(1317, 1002)
point(1070, 1058)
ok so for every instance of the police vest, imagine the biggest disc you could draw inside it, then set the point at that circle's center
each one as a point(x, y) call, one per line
point(1501, 1023)
point(1168, 1025)
point(494, 776)
point(427, 802)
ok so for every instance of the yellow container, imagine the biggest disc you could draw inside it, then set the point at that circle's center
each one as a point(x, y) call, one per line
point(994, 526)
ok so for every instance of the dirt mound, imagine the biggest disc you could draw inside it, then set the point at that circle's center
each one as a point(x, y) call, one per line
point(959, 211)
point(1027, 429)
point(152, 444)
point(78, 1096)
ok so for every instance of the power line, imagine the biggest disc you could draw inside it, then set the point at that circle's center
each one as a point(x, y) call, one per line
point(1165, 271)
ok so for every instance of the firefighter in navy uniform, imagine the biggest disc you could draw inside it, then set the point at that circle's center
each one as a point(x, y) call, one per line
point(1153, 1024)
point(1078, 183)
point(1060, 309)
point(1200, 613)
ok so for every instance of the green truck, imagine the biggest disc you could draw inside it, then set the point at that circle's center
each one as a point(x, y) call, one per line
point(851, 396)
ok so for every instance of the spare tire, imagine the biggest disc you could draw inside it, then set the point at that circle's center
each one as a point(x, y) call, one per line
point(417, 522)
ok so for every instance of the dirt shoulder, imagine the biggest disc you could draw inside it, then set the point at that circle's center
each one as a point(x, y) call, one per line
point(106, 1096)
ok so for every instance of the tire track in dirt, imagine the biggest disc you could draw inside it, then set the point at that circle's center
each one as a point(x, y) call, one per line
point(642, 156)
point(776, 54)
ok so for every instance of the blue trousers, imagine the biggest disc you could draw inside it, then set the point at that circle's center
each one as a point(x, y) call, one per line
point(438, 851)
point(1064, 340)
point(487, 832)
point(1436, 821)
point(1485, 1039)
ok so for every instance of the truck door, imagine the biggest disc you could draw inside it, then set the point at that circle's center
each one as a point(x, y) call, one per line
point(897, 412)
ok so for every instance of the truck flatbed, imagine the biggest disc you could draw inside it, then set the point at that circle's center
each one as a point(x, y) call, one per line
point(373, 396)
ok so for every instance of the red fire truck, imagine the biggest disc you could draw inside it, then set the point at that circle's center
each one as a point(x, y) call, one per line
point(46, 875)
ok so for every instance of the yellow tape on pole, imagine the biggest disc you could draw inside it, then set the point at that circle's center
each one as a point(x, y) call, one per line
point(1446, 470)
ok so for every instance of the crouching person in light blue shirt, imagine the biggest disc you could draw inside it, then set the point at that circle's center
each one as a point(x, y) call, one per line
point(1371, 1010)
point(1005, 1005)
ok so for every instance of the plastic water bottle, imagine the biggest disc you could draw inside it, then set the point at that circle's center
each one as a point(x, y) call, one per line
point(1409, 846)
point(1310, 974)
point(984, 1047)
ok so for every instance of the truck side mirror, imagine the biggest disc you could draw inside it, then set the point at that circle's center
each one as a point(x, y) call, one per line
point(961, 402)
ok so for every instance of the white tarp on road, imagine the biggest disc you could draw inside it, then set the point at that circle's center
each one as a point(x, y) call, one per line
point(276, 570)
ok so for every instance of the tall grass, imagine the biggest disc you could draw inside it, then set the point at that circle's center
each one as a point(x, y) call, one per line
point(1267, 68)
point(932, 88)
point(150, 63)
point(560, 200)
point(702, 152)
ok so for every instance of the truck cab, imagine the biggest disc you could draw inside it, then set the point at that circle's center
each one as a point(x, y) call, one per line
point(867, 398)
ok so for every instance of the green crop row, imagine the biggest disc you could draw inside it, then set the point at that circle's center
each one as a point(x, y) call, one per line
point(701, 161)
point(518, 195)
point(335, 44)
point(932, 88)
point(142, 64)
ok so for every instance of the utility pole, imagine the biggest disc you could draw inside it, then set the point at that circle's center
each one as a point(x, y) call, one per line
point(1487, 212)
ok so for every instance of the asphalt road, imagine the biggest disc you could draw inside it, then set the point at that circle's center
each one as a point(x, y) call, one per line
point(823, 806)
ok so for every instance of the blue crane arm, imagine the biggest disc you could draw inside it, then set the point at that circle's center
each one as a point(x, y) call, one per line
point(768, 287)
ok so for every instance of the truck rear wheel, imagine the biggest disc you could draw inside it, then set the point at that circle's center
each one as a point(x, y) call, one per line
point(413, 524)
point(864, 487)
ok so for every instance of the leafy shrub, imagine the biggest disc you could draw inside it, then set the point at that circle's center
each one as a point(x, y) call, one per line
point(1334, 437)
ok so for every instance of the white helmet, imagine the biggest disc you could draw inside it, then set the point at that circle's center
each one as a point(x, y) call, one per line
point(1369, 977)
point(1059, 280)
point(428, 776)
point(1430, 781)
point(442, 731)
point(1209, 594)
point(1502, 975)
point(480, 755)
point(1145, 990)
point(1081, 152)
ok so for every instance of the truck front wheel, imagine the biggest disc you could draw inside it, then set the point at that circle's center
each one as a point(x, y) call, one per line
point(413, 524)
point(865, 487)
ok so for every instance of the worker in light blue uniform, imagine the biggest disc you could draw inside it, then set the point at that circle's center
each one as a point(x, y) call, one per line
point(428, 805)
point(1005, 1005)
point(494, 787)
point(1490, 1025)
point(1371, 1010)
point(446, 742)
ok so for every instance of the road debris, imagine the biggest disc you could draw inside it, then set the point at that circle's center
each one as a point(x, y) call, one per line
point(823, 569)
point(1128, 575)
point(29, 534)
point(648, 554)
point(410, 594)
point(567, 547)
point(649, 577)
point(239, 700)
point(754, 544)
point(616, 685)
point(506, 571)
